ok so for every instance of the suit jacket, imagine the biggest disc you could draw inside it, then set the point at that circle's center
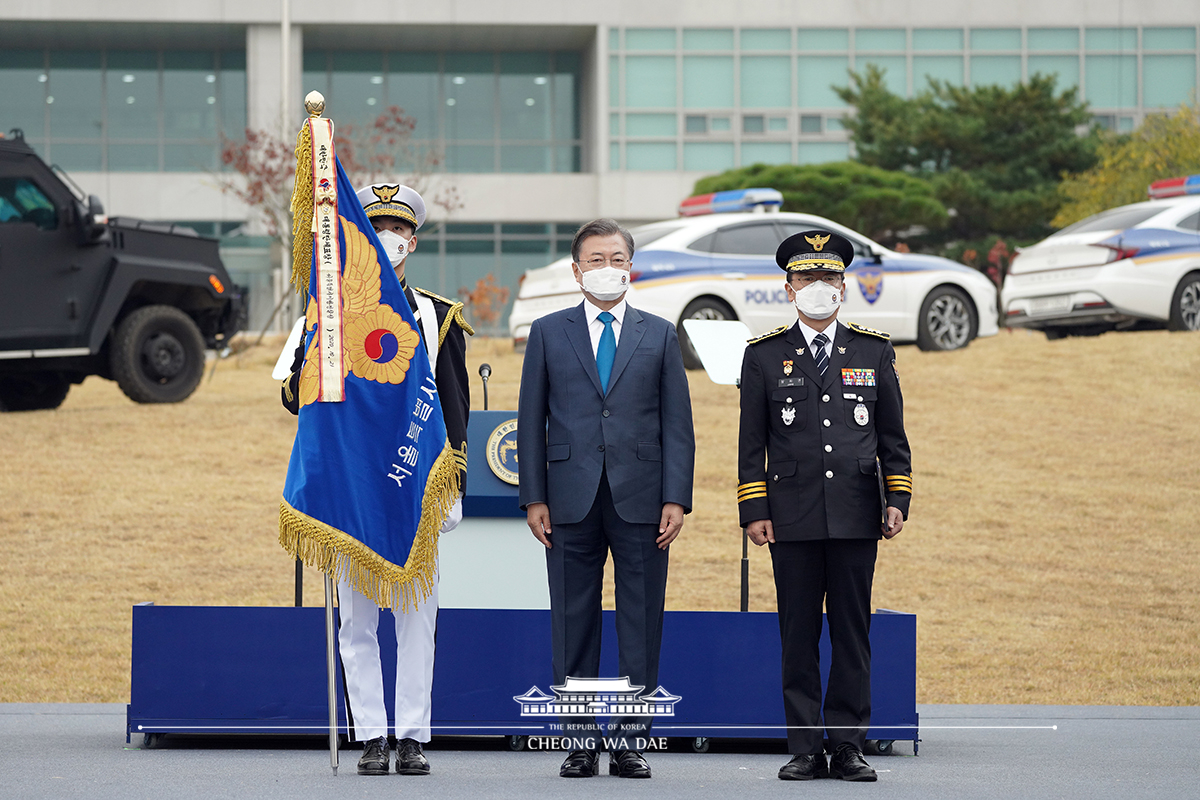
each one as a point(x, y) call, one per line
point(807, 444)
point(569, 431)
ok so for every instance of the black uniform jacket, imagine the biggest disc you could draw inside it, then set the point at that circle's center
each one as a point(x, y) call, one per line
point(807, 445)
point(453, 388)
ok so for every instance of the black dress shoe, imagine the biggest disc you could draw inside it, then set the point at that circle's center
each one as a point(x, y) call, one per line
point(376, 758)
point(409, 758)
point(848, 764)
point(804, 768)
point(628, 764)
point(580, 764)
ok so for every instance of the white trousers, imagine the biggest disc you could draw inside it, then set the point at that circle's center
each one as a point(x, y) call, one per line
point(358, 642)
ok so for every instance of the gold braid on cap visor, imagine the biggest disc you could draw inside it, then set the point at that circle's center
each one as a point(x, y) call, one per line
point(806, 261)
point(391, 210)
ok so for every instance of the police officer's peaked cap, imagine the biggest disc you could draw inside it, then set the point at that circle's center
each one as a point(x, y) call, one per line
point(812, 250)
point(393, 200)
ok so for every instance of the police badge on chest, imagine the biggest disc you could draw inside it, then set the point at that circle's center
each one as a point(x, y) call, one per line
point(789, 415)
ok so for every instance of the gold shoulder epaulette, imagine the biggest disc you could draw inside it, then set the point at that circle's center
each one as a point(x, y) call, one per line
point(434, 295)
point(455, 314)
point(767, 335)
point(854, 326)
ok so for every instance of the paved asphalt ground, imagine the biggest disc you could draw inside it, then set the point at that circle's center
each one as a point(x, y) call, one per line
point(996, 752)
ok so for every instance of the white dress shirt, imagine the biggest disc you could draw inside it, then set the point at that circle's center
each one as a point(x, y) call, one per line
point(810, 334)
point(596, 327)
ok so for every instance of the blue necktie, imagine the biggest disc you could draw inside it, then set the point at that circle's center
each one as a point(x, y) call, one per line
point(818, 351)
point(606, 351)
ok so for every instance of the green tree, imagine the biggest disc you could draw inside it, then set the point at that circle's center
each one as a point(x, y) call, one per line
point(878, 202)
point(994, 154)
point(1165, 146)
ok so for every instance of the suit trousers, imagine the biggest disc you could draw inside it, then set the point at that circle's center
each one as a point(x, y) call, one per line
point(362, 668)
point(575, 567)
point(838, 572)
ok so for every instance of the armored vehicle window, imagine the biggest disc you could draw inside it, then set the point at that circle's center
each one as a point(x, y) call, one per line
point(22, 201)
point(755, 239)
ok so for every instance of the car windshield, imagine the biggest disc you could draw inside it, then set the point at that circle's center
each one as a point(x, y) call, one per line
point(1112, 220)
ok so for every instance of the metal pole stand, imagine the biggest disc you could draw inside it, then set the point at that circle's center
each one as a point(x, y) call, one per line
point(330, 652)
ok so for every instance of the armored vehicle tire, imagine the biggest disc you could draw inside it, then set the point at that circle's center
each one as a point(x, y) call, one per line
point(33, 391)
point(157, 355)
point(700, 308)
point(947, 321)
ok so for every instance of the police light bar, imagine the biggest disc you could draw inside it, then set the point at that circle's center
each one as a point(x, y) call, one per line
point(1174, 187)
point(734, 200)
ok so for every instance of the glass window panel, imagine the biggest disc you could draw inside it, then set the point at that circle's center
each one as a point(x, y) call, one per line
point(356, 91)
point(232, 95)
point(708, 39)
point(133, 158)
point(567, 70)
point(649, 81)
point(766, 39)
point(753, 123)
point(470, 158)
point(76, 157)
point(614, 38)
point(650, 156)
point(188, 157)
point(766, 153)
point(834, 124)
point(810, 123)
point(316, 73)
point(131, 89)
point(524, 96)
point(1125, 124)
point(766, 82)
point(821, 152)
point(777, 124)
point(614, 124)
point(996, 39)
point(942, 68)
point(995, 70)
point(1168, 38)
point(470, 86)
point(1110, 39)
point(1043, 39)
point(23, 76)
point(412, 84)
point(1065, 67)
point(1167, 80)
point(720, 124)
point(815, 77)
point(878, 39)
point(471, 228)
point(832, 39)
point(189, 95)
point(649, 38)
point(926, 39)
point(614, 156)
point(523, 228)
point(614, 82)
point(568, 158)
point(1111, 81)
point(650, 125)
point(74, 96)
point(708, 82)
point(707, 156)
point(895, 68)
point(525, 158)
point(695, 123)
point(421, 267)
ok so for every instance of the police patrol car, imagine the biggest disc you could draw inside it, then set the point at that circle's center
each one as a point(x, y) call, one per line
point(717, 261)
point(1132, 267)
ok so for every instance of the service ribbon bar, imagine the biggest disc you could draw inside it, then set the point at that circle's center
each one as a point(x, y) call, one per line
point(328, 290)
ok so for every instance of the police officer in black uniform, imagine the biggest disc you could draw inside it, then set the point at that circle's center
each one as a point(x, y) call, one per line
point(824, 470)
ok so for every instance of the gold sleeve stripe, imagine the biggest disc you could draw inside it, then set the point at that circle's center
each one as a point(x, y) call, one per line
point(754, 490)
point(755, 496)
point(900, 484)
point(754, 485)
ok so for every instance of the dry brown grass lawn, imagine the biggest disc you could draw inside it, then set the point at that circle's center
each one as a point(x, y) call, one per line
point(1053, 555)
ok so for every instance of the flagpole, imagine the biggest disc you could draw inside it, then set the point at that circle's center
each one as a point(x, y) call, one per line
point(330, 649)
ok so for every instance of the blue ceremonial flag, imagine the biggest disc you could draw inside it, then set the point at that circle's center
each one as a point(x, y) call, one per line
point(371, 477)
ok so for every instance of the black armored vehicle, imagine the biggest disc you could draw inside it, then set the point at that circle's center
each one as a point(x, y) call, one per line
point(80, 294)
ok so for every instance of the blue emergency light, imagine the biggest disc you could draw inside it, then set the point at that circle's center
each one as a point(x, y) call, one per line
point(731, 201)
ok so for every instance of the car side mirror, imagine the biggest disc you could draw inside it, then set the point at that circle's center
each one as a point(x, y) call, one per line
point(95, 224)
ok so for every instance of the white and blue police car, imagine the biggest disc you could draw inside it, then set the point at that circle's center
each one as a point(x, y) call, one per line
point(717, 261)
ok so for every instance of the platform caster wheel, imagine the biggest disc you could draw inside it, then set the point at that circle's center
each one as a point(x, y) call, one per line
point(151, 741)
point(701, 744)
point(517, 743)
point(879, 747)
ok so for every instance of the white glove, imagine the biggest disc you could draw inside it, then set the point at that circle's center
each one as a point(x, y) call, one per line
point(454, 517)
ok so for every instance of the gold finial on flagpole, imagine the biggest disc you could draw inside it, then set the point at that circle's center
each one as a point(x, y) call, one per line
point(314, 103)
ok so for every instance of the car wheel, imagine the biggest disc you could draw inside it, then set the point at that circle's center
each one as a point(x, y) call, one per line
point(33, 391)
point(1185, 305)
point(157, 355)
point(700, 308)
point(948, 320)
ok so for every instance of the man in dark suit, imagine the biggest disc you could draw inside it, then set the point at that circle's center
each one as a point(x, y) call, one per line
point(606, 447)
point(824, 470)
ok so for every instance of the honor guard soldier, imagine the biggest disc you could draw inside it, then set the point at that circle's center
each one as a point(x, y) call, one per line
point(824, 470)
point(396, 213)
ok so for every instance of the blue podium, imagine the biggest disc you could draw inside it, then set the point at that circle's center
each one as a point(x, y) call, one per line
point(224, 670)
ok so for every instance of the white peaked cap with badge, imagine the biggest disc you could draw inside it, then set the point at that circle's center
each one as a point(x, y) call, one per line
point(392, 200)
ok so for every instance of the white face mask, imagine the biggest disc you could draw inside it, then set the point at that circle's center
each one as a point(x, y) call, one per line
point(606, 283)
point(818, 300)
point(395, 245)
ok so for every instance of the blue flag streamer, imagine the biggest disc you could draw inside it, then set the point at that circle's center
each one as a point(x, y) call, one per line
point(371, 478)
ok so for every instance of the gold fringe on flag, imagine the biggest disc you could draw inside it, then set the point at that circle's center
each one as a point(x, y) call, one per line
point(302, 211)
point(339, 555)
